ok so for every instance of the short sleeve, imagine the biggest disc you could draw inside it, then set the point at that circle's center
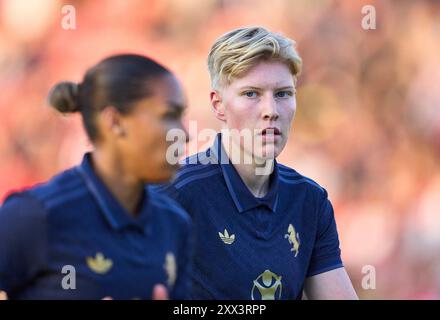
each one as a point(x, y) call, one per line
point(22, 241)
point(326, 254)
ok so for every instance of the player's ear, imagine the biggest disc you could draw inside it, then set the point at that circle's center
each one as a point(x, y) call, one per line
point(111, 122)
point(217, 105)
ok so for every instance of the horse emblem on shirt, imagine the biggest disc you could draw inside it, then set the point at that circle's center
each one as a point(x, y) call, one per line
point(293, 238)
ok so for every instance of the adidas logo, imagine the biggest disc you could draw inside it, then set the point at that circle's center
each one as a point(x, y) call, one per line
point(99, 264)
point(226, 238)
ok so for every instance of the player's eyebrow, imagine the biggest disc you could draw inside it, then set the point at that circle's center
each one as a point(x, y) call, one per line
point(286, 87)
point(250, 87)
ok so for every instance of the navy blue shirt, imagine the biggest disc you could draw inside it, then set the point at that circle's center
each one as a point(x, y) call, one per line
point(248, 247)
point(70, 239)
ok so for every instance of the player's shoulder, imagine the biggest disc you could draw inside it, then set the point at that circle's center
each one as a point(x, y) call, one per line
point(167, 205)
point(63, 187)
point(194, 169)
point(20, 201)
point(290, 178)
point(22, 210)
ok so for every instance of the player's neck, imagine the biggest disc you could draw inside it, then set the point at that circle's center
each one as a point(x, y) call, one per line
point(255, 175)
point(128, 190)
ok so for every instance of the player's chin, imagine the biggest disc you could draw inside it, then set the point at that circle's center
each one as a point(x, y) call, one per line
point(268, 151)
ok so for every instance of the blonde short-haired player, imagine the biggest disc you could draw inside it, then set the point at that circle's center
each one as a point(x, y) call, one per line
point(263, 231)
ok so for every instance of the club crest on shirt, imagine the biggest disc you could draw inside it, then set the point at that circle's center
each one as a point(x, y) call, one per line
point(170, 268)
point(226, 238)
point(293, 238)
point(268, 285)
point(99, 264)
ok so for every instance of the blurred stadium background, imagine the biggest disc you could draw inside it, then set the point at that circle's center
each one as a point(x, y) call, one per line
point(367, 126)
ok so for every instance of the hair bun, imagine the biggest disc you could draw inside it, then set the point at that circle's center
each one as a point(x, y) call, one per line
point(64, 97)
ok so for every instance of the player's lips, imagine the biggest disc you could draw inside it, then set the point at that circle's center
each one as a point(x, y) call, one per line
point(271, 134)
point(271, 131)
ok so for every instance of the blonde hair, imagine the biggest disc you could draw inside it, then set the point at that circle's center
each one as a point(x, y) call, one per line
point(237, 51)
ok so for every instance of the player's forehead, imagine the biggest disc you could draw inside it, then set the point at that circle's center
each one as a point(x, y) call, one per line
point(265, 74)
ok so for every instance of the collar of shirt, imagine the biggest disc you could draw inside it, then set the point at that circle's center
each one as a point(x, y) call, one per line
point(112, 210)
point(243, 198)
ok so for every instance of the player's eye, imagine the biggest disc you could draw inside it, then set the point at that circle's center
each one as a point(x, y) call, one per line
point(173, 115)
point(284, 94)
point(250, 94)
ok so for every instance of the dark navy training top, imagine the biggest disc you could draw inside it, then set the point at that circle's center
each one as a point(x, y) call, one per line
point(248, 247)
point(69, 238)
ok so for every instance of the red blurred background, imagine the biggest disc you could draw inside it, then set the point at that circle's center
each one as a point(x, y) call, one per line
point(367, 125)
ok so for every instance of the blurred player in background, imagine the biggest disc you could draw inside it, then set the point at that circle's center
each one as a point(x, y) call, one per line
point(97, 230)
point(258, 236)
